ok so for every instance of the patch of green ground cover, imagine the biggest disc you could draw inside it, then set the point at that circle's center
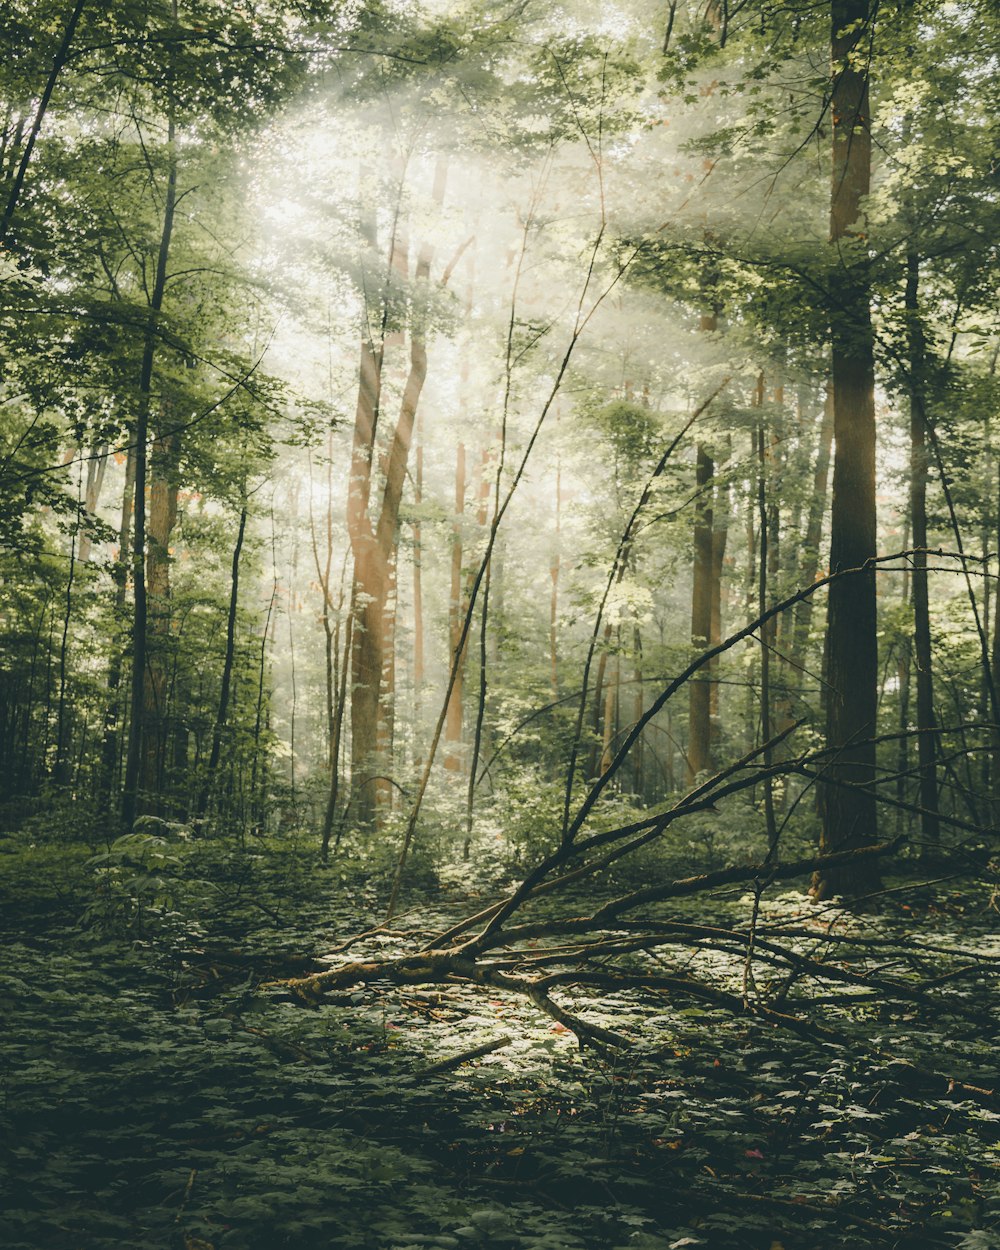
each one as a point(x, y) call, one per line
point(154, 1097)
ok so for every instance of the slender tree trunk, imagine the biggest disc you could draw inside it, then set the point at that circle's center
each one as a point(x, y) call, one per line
point(141, 437)
point(904, 667)
point(767, 633)
point(700, 690)
point(456, 616)
point(611, 710)
point(813, 535)
point(162, 518)
point(384, 789)
point(720, 540)
point(418, 580)
point(60, 770)
point(848, 800)
point(374, 544)
point(119, 573)
point(257, 770)
point(227, 668)
point(922, 652)
point(638, 707)
point(96, 468)
point(343, 669)
point(555, 562)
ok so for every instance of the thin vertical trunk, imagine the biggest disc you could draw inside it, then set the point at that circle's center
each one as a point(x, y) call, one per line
point(374, 544)
point(638, 707)
point(814, 534)
point(384, 789)
point(364, 657)
point(141, 435)
point(720, 540)
point(257, 771)
point(922, 654)
point(344, 668)
point(456, 616)
point(847, 796)
point(555, 562)
point(96, 468)
point(904, 667)
point(611, 712)
point(418, 579)
point(119, 573)
point(60, 770)
point(227, 668)
point(162, 518)
point(767, 631)
point(700, 697)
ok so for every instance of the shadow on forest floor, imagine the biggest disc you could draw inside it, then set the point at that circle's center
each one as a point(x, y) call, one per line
point(154, 1097)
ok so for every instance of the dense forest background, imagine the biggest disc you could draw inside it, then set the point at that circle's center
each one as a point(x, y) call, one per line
point(499, 539)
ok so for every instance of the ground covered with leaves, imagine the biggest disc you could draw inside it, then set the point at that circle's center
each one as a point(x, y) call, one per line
point(162, 1088)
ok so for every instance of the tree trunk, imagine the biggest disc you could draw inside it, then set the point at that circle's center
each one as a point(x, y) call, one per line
point(96, 468)
point(141, 435)
point(119, 573)
point(227, 668)
point(700, 694)
point(813, 535)
point(922, 655)
point(162, 518)
point(374, 544)
point(555, 561)
point(847, 796)
point(418, 582)
point(456, 617)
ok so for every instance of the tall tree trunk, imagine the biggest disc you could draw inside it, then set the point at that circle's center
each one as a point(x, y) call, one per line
point(418, 580)
point(60, 770)
point(162, 518)
point(96, 468)
point(227, 668)
point(374, 544)
point(638, 707)
point(365, 656)
point(700, 690)
point(141, 437)
point(555, 561)
point(384, 789)
point(813, 535)
point(919, 462)
point(767, 630)
point(720, 540)
point(847, 796)
point(611, 710)
point(456, 618)
point(119, 573)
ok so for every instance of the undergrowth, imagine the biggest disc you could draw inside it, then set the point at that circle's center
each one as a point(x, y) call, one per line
point(156, 1094)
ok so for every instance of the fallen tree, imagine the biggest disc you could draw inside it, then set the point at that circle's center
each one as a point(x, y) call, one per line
point(540, 941)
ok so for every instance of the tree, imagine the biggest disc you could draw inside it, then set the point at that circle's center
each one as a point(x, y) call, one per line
point(848, 800)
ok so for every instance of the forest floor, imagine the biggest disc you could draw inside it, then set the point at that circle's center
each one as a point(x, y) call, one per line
point(154, 1096)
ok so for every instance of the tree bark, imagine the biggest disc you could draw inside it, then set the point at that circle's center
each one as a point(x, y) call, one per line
point(456, 615)
point(141, 436)
point(162, 518)
point(847, 797)
point(700, 696)
point(227, 668)
point(922, 652)
point(814, 533)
